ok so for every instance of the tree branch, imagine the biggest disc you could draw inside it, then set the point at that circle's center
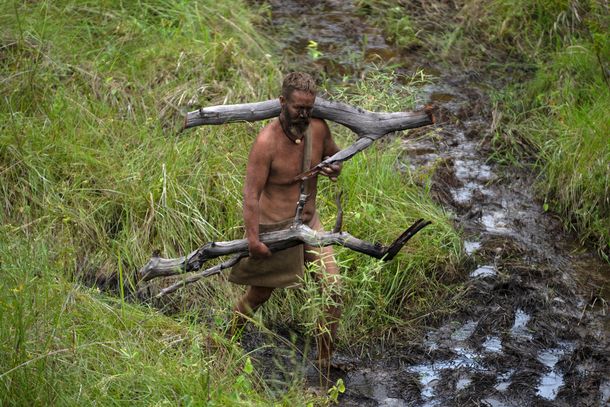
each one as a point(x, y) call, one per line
point(360, 121)
point(279, 240)
point(369, 126)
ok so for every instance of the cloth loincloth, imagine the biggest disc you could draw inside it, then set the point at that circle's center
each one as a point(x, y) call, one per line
point(282, 270)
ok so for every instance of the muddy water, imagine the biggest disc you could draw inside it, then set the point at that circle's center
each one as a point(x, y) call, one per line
point(536, 327)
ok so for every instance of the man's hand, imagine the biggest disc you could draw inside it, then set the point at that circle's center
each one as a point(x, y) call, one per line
point(258, 250)
point(332, 171)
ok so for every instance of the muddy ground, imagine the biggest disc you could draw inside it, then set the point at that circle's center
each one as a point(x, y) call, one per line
point(534, 326)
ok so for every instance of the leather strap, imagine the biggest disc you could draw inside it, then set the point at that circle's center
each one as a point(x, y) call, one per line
point(307, 157)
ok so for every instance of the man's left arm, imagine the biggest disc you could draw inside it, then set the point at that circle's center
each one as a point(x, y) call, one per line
point(330, 148)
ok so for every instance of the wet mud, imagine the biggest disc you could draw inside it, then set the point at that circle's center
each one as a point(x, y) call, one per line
point(534, 326)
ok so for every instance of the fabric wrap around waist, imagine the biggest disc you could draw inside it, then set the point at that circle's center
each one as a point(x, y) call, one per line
point(283, 269)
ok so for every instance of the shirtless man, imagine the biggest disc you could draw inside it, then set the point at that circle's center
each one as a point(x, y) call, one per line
point(270, 197)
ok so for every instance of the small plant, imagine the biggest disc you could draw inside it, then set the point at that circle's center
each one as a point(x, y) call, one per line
point(313, 51)
point(335, 391)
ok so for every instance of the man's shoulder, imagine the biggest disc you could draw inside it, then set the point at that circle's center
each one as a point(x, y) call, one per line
point(319, 127)
point(266, 137)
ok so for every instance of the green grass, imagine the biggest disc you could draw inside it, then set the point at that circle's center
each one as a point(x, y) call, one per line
point(560, 116)
point(554, 56)
point(398, 25)
point(95, 177)
point(565, 124)
point(65, 344)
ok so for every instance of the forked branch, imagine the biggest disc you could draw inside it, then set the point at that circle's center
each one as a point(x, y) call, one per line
point(360, 121)
point(369, 126)
point(279, 240)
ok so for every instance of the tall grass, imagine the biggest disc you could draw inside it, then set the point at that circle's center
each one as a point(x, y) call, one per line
point(560, 114)
point(551, 57)
point(65, 344)
point(95, 177)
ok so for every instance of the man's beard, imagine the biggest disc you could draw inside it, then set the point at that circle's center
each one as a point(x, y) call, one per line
point(295, 128)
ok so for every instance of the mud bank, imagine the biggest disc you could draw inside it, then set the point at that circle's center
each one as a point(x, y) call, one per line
point(534, 326)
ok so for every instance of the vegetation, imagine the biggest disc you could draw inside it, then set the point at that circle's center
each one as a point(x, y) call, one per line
point(561, 113)
point(554, 109)
point(94, 177)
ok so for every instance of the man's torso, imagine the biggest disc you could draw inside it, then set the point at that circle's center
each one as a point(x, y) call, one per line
point(281, 193)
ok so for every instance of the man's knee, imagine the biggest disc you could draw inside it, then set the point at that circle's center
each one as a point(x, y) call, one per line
point(259, 295)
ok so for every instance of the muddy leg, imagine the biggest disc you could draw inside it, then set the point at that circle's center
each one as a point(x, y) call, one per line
point(329, 284)
point(253, 298)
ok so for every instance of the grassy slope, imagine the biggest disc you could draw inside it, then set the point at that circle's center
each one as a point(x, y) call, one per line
point(567, 121)
point(558, 115)
point(94, 178)
point(561, 113)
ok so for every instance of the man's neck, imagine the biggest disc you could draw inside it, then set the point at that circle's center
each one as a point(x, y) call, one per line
point(288, 132)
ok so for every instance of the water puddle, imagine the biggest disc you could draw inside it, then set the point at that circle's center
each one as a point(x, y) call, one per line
point(519, 328)
point(463, 195)
point(503, 381)
point(549, 385)
point(462, 383)
point(552, 380)
point(495, 222)
point(467, 358)
point(430, 373)
point(604, 389)
point(464, 332)
point(429, 376)
point(470, 169)
point(493, 344)
point(471, 247)
point(370, 384)
point(492, 402)
point(484, 271)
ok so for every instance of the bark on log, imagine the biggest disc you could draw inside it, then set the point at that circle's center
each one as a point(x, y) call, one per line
point(360, 121)
point(279, 240)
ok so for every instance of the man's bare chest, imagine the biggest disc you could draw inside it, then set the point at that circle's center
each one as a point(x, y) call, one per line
point(287, 163)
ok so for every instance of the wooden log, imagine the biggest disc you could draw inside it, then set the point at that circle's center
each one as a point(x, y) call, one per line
point(360, 121)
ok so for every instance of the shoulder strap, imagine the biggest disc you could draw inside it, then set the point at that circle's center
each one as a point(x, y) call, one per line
point(307, 156)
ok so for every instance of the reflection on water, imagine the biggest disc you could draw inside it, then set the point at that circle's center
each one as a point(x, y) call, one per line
point(471, 247)
point(503, 381)
point(519, 329)
point(493, 344)
point(484, 271)
point(552, 380)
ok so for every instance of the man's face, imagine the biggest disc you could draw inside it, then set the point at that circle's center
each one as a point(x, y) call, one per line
point(296, 111)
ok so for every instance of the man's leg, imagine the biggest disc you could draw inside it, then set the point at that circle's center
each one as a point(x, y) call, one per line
point(253, 298)
point(330, 285)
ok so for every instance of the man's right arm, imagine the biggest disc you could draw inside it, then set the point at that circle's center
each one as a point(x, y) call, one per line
point(257, 172)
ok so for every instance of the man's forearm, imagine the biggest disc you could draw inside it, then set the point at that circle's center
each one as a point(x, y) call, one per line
point(251, 220)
